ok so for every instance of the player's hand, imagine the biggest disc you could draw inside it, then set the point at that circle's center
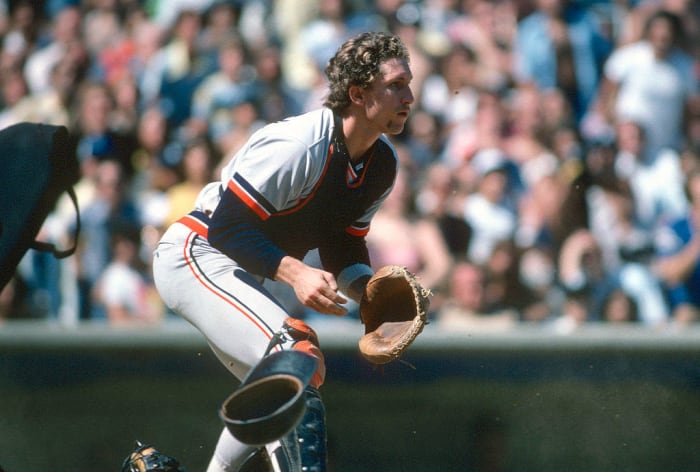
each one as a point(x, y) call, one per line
point(318, 290)
point(315, 288)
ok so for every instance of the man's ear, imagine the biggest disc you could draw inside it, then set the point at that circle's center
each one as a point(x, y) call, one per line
point(357, 95)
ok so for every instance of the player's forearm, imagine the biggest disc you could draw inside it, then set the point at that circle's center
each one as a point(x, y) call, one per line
point(347, 257)
point(288, 270)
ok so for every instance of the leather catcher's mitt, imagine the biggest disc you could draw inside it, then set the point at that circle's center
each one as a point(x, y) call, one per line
point(394, 311)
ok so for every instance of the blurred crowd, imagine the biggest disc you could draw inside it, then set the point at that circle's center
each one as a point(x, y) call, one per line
point(549, 172)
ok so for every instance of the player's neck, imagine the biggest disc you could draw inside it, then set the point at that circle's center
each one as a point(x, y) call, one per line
point(358, 138)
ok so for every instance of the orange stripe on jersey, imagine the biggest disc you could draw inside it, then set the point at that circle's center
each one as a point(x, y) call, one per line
point(195, 225)
point(248, 200)
point(359, 232)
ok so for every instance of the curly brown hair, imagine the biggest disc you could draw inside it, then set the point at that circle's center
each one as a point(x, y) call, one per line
point(357, 62)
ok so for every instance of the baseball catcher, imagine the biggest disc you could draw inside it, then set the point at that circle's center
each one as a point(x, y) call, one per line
point(311, 182)
point(394, 311)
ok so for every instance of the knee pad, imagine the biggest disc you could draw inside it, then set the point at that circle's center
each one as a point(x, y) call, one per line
point(305, 340)
point(298, 330)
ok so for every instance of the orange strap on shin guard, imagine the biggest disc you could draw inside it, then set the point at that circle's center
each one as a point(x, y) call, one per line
point(306, 340)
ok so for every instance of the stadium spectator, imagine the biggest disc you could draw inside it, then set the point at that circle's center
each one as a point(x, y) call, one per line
point(177, 69)
point(436, 199)
point(678, 259)
point(540, 209)
point(13, 92)
point(245, 119)
point(274, 95)
point(487, 210)
point(610, 217)
point(155, 158)
point(63, 40)
point(110, 207)
point(506, 289)
point(321, 37)
point(656, 182)
point(93, 132)
point(51, 105)
point(145, 63)
point(196, 170)
point(219, 20)
point(101, 27)
point(522, 117)
point(588, 282)
point(583, 276)
point(542, 297)
point(619, 307)
point(125, 115)
point(651, 82)
point(485, 131)
point(636, 14)
point(466, 308)
point(561, 45)
point(625, 247)
point(424, 140)
point(119, 54)
point(22, 32)
point(123, 290)
point(451, 91)
point(399, 238)
point(221, 91)
point(487, 28)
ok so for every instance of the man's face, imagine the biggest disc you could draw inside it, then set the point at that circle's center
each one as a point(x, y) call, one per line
point(388, 99)
point(661, 36)
point(468, 287)
point(629, 138)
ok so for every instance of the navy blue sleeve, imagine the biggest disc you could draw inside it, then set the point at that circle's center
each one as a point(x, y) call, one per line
point(343, 251)
point(233, 231)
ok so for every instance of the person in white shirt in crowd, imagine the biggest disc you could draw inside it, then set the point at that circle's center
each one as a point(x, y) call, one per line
point(651, 82)
point(486, 210)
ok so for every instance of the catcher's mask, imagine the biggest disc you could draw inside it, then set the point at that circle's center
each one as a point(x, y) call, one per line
point(146, 458)
point(270, 401)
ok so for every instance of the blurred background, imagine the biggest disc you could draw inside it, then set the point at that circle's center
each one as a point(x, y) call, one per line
point(548, 194)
